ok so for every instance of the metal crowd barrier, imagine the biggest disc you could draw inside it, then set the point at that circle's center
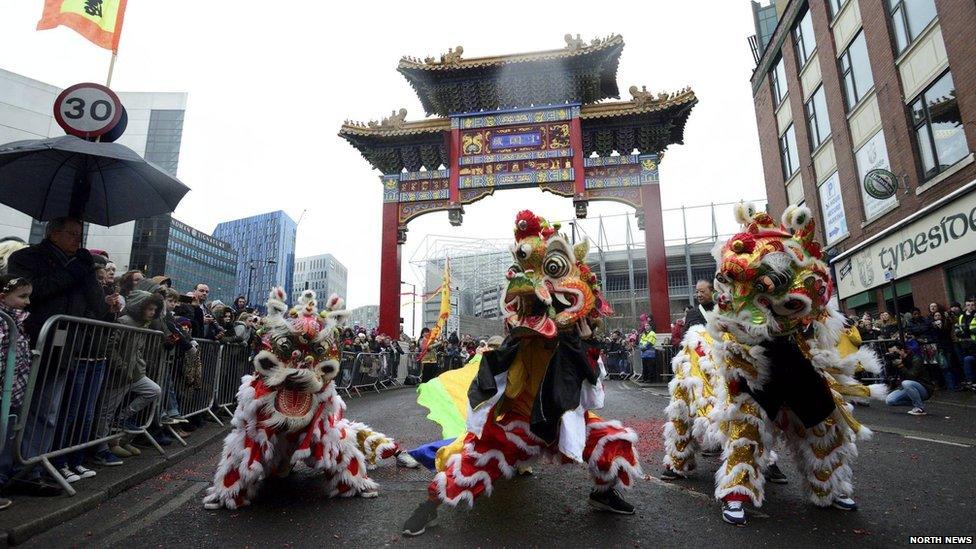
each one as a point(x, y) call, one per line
point(344, 378)
point(234, 365)
point(368, 370)
point(196, 394)
point(85, 390)
point(413, 368)
point(8, 366)
point(880, 348)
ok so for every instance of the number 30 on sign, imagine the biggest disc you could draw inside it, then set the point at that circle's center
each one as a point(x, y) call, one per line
point(87, 110)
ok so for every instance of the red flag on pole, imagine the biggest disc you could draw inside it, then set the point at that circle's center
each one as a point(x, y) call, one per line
point(100, 21)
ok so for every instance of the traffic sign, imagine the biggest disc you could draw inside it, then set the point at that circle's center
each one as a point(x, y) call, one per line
point(87, 110)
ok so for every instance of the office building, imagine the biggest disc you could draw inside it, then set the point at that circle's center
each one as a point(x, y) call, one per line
point(865, 112)
point(366, 316)
point(321, 273)
point(265, 247)
point(154, 130)
point(163, 245)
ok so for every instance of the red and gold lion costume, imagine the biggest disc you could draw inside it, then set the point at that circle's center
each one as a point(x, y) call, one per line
point(288, 411)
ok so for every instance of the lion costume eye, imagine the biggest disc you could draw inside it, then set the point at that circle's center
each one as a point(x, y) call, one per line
point(284, 345)
point(556, 265)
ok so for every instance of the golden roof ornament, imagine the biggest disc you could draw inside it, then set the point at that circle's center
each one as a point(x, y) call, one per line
point(641, 96)
point(393, 122)
point(574, 44)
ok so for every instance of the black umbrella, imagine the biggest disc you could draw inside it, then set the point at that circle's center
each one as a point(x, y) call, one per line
point(102, 183)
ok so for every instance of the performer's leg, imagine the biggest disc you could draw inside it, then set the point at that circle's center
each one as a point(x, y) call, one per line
point(824, 455)
point(246, 455)
point(503, 446)
point(611, 454)
point(347, 475)
point(745, 452)
point(680, 444)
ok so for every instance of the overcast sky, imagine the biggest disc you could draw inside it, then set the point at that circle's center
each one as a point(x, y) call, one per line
point(270, 83)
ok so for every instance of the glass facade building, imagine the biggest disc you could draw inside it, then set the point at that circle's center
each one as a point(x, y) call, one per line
point(266, 253)
point(163, 245)
point(321, 273)
point(164, 137)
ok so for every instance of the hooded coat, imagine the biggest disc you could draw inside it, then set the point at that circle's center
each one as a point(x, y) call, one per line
point(130, 349)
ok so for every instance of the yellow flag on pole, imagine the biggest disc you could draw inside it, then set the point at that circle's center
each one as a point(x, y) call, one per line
point(445, 312)
point(100, 21)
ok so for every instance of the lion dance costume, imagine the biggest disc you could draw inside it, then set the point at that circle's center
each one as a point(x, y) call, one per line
point(536, 393)
point(288, 411)
point(766, 370)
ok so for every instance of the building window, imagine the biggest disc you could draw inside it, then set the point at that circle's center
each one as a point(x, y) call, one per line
point(778, 78)
point(794, 192)
point(787, 153)
point(938, 127)
point(803, 40)
point(835, 7)
point(818, 124)
point(908, 19)
point(855, 68)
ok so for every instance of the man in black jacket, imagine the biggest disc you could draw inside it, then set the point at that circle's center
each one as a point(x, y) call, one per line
point(62, 274)
point(703, 295)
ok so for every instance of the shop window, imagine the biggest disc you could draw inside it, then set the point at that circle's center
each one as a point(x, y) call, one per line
point(961, 279)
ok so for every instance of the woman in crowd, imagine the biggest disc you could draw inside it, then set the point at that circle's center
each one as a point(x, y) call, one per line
point(128, 281)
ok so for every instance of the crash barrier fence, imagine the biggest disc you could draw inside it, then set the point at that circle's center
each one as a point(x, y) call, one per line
point(93, 383)
point(7, 373)
point(629, 365)
point(360, 371)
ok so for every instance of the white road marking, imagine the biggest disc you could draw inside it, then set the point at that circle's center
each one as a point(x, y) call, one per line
point(938, 441)
point(187, 494)
point(696, 494)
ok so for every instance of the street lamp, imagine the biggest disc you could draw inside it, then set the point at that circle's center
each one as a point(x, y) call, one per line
point(250, 276)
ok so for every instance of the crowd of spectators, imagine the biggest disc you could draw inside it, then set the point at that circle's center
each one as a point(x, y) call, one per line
point(941, 340)
point(102, 377)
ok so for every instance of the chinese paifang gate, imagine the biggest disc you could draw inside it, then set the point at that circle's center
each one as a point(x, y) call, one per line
point(288, 411)
point(536, 393)
point(765, 370)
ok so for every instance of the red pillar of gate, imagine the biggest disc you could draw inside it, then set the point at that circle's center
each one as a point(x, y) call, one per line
point(390, 272)
point(657, 262)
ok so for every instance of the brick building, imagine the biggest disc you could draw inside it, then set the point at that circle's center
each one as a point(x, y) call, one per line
point(846, 87)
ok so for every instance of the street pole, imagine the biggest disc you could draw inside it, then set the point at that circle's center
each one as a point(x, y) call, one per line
point(250, 277)
point(890, 275)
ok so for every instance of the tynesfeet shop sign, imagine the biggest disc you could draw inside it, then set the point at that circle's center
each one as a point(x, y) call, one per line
point(945, 233)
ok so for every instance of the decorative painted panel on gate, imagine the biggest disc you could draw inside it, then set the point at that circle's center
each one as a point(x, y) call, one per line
point(621, 171)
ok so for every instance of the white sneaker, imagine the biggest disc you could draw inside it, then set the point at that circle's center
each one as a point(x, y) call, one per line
point(733, 513)
point(68, 474)
point(404, 459)
point(917, 412)
point(84, 472)
point(844, 503)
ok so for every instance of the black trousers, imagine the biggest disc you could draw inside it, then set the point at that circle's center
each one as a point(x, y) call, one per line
point(649, 374)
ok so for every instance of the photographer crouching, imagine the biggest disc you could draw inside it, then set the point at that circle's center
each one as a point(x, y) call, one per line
point(908, 379)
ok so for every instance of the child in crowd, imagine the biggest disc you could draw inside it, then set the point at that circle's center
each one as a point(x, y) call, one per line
point(182, 342)
point(129, 361)
point(14, 297)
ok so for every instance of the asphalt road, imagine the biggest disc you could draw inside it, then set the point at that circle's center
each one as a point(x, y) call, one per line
point(916, 477)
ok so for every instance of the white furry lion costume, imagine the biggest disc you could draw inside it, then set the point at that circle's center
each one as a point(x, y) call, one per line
point(288, 411)
point(766, 369)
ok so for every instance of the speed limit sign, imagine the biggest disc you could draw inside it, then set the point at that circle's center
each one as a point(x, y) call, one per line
point(87, 110)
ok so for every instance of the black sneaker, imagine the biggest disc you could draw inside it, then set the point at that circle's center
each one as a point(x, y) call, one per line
point(610, 501)
point(423, 516)
point(775, 475)
point(4, 503)
point(669, 474)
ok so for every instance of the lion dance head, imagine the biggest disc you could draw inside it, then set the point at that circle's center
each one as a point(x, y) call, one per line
point(772, 279)
point(550, 288)
point(299, 353)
